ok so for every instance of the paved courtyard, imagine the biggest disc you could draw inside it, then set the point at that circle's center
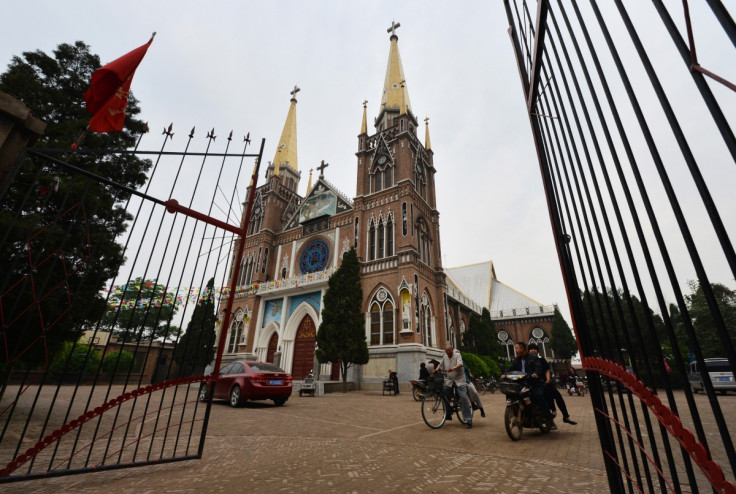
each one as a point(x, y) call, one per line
point(363, 442)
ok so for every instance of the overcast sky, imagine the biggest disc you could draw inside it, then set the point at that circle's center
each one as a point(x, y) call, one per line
point(231, 65)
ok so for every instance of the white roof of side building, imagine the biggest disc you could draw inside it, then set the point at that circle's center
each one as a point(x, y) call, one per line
point(478, 283)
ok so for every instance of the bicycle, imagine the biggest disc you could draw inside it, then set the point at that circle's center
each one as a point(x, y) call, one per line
point(436, 407)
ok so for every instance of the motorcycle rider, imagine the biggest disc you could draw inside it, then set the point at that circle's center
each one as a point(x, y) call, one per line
point(452, 363)
point(532, 366)
point(572, 378)
point(551, 394)
point(423, 372)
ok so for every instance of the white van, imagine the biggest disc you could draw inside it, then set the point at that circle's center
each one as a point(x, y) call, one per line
point(719, 370)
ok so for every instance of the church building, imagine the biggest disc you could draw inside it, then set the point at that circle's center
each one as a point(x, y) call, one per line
point(412, 305)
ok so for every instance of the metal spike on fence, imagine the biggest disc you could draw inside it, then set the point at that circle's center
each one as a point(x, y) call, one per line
point(211, 134)
point(191, 134)
point(168, 132)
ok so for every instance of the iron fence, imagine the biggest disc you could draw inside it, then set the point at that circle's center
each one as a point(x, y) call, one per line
point(633, 130)
point(108, 301)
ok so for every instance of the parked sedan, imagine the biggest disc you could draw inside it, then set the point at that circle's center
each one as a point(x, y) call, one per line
point(244, 380)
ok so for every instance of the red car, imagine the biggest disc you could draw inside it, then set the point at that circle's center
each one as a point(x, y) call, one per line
point(245, 380)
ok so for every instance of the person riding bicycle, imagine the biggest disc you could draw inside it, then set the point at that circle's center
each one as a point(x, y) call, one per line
point(452, 364)
point(532, 367)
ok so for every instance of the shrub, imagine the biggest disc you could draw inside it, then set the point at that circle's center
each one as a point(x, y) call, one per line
point(112, 364)
point(476, 365)
point(494, 369)
point(82, 359)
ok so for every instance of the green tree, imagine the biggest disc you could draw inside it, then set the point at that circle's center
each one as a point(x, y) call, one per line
point(118, 361)
point(480, 337)
point(341, 335)
point(196, 347)
point(65, 223)
point(702, 317)
point(563, 342)
point(141, 309)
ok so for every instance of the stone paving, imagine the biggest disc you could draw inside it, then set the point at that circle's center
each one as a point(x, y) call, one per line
point(363, 442)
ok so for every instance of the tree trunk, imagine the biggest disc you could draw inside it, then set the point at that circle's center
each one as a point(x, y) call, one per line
point(344, 368)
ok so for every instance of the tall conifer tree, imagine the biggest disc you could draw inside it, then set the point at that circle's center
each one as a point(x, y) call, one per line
point(196, 347)
point(341, 335)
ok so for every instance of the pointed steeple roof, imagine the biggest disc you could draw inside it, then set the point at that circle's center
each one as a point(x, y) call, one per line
point(364, 125)
point(427, 144)
point(395, 94)
point(286, 150)
point(309, 185)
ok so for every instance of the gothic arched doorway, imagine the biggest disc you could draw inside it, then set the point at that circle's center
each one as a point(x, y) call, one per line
point(272, 343)
point(304, 345)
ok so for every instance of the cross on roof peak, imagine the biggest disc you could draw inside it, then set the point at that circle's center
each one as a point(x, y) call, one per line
point(294, 91)
point(321, 169)
point(426, 120)
point(393, 28)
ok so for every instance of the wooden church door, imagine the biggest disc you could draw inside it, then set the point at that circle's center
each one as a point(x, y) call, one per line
point(272, 343)
point(304, 345)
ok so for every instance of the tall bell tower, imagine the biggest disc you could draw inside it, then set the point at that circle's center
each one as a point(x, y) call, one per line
point(397, 222)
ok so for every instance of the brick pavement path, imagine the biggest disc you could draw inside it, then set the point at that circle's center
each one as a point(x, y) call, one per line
point(363, 442)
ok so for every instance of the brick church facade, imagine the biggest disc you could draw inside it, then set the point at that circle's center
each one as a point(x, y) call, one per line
point(412, 305)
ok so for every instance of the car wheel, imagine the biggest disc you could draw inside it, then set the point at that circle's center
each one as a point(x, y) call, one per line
point(279, 401)
point(235, 396)
point(203, 392)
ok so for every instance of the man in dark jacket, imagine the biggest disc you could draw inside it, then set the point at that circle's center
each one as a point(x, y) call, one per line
point(532, 367)
point(551, 395)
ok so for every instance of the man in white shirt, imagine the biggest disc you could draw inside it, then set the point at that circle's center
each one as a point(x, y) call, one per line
point(452, 363)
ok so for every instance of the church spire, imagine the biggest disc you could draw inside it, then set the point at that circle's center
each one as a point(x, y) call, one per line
point(427, 144)
point(395, 95)
point(286, 151)
point(309, 184)
point(364, 125)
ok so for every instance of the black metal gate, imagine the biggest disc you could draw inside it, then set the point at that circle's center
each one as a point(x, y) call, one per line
point(637, 158)
point(101, 295)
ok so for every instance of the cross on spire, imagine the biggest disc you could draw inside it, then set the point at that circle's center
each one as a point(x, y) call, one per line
point(294, 91)
point(321, 169)
point(365, 102)
point(393, 28)
point(426, 120)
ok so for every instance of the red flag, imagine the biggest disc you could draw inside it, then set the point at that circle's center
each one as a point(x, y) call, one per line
point(107, 96)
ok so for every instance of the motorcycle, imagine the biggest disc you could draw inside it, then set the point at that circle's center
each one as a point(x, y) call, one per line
point(577, 387)
point(418, 389)
point(520, 413)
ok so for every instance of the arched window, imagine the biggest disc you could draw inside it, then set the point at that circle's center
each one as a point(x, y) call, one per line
point(355, 233)
point(390, 236)
point(388, 323)
point(235, 333)
point(382, 318)
point(507, 343)
point(539, 336)
point(372, 242)
point(265, 260)
point(377, 181)
point(381, 239)
point(424, 243)
point(404, 222)
point(425, 320)
point(388, 177)
point(375, 324)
